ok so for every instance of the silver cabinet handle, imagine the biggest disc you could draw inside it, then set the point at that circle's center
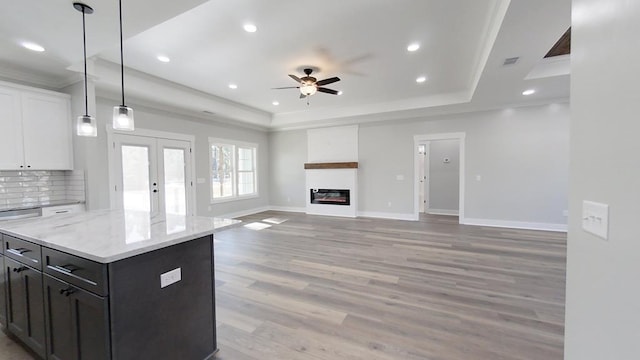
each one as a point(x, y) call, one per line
point(18, 252)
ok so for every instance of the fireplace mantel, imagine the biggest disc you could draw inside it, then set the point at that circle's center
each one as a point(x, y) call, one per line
point(331, 165)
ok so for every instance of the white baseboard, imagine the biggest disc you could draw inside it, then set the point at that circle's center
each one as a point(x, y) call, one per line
point(242, 213)
point(391, 216)
point(288, 209)
point(442, 212)
point(515, 224)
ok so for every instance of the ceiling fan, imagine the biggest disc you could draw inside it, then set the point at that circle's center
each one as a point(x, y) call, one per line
point(310, 85)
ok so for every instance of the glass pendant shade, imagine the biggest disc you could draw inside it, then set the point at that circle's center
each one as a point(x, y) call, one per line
point(86, 126)
point(308, 89)
point(123, 118)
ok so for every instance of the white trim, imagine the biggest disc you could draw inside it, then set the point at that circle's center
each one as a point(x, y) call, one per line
point(390, 216)
point(442, 212)
point(242, 213)
point(420, 139)
point(516, 224)
point(288, 209)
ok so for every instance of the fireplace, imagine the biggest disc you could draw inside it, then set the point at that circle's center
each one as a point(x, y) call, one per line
point(330, 196)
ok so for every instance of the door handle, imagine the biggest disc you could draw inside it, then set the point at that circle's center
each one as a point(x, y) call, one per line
point(20, 269)
point(68, 291)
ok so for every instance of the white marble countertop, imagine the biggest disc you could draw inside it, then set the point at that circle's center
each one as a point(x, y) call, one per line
point(109, 235)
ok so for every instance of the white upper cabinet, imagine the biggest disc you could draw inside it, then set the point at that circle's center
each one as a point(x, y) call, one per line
point(10, 130)
point(35, 130)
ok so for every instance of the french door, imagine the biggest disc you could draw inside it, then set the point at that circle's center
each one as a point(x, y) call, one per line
point(153, 174)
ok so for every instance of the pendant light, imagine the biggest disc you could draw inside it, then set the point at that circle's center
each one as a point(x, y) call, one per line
point(86, 124)
point(122, 114)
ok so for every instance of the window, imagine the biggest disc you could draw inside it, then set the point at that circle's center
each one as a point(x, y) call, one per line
point(233, 170)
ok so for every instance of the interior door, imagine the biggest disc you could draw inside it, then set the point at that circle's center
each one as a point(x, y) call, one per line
point(423, 171)
point(153, 174)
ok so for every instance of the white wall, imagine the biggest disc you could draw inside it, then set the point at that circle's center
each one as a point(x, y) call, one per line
point(287, 155)
point(444, 177)
point(152, 119)
point(521, 155)
point(603, 296)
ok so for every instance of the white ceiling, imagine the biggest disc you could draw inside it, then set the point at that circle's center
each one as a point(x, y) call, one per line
point(463, 45)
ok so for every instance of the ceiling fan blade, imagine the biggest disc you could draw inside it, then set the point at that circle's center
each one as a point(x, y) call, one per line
point(302, 96)
point(297, 79)
point(327, 91)
point(328, 81)
point(286, 87)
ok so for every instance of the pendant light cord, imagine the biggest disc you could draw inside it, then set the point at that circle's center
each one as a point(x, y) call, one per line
point(84, 47)
point(121, 54)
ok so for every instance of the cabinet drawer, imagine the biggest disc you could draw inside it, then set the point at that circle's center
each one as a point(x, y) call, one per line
point(23, 251)
point(83, 273)
point(59, 210)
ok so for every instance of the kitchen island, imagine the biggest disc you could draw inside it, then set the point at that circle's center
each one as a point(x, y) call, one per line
point(111, 285)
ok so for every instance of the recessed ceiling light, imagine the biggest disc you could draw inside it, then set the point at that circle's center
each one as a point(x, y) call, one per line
point(275, 103)
point(421, 79)
point(233, 86)
point(413, 47)
point(32, 46)
point(340, 92)
point(250, 28)
point(528, 92)
point(164, 59)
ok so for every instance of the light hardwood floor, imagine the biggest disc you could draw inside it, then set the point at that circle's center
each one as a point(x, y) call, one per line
point(317, 287)
point(334, 288)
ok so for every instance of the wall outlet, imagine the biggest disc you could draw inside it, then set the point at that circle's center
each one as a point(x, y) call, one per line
point(288, 199)
point(478, 177)
point(389, 204)
point(399, 177)
point(595, 218)
point(170, 277)
point(565, 213)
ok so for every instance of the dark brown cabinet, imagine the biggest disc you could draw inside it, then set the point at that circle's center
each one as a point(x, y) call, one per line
point(66, 307)
point(3, 294)
point(77, 322)
point(25, 304)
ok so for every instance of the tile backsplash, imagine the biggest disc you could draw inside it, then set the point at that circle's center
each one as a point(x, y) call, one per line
point(26, 187)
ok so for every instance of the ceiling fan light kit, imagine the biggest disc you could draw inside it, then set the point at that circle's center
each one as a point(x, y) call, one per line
point(309, 85)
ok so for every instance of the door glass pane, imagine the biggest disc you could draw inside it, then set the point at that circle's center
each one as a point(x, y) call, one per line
point(175, 182)
point(135, 178)
point(222, 170)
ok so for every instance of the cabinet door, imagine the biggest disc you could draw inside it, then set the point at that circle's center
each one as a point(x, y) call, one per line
point(77, 323)
point(25, 305)
point(11, 155)
point(3, 294)
point(46, 126)
point(58, 320)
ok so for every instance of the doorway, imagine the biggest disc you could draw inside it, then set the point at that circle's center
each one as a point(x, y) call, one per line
point(439, 174)
point(152, 174)
point(439, 177)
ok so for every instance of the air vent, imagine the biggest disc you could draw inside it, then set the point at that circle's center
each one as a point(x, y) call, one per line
point(511, 61)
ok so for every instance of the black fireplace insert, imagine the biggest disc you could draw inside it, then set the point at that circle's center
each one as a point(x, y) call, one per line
point(330, 196)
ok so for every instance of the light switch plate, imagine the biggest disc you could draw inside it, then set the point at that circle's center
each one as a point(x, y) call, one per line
point(170, 277)
point(595, 218)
